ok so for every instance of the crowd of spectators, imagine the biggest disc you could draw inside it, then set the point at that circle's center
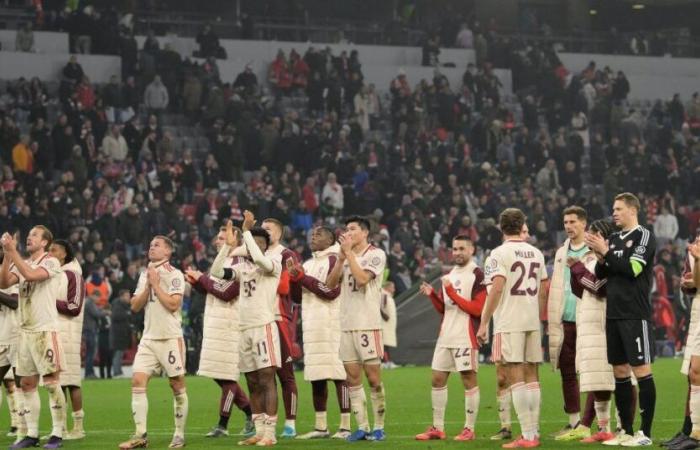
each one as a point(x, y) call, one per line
point(107, 166)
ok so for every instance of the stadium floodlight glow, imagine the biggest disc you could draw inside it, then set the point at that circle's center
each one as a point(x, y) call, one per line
point(638, 6)
point(593, 12)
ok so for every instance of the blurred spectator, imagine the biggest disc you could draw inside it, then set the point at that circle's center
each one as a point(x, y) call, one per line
point(208, 43)
point(92, 316)
point(114, 145)
point(24, 40)
point(156, 97)
point(247, 80)
point(120, 330)
point(465, 37)
point(104, 351)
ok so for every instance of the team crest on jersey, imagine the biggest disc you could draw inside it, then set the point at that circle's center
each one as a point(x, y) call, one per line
point(376, 260)
point(640, 250)
point(458, 282)
point(176, 282)
point(629, 244)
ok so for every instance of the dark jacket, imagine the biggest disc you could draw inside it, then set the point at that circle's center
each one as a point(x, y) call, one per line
point(120, 332)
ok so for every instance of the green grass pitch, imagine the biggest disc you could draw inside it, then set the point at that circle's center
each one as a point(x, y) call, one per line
point(108, 411)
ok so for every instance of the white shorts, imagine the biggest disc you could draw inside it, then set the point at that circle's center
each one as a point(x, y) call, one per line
point(455, 359)
point(259, 348)
point(162, 355)
point(8, 355)
point(517, 347)
point(39, 353)
point(361, 346)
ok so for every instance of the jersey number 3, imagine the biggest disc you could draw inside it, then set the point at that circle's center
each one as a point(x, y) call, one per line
point(531, 273)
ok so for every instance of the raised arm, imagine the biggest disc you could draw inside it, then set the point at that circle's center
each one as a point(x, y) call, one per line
point(223, 290)
point(140, 297)
point(7, 278)
point(260, 260)
point(217, 268)
point(581, 279)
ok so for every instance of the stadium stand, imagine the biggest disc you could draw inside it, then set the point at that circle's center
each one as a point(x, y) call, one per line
point(107, 157)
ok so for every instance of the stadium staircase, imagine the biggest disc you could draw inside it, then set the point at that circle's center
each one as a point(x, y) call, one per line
point(418, 324)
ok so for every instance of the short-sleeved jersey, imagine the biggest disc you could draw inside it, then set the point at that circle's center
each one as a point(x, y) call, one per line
point(360, 306)
point(523, 268)
point(159, 323)
point(284, 303)
point(8, 319)
point(458, 329)
point(257, 300)
point(37, 299)
point(627, 296)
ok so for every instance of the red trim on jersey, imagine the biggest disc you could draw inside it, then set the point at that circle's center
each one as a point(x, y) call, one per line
point(378, 344)
point(181, 347)
point(57, 355)
point(496, 348)
point(270, 344)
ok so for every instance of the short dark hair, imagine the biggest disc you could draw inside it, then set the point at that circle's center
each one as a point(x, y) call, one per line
point(329, 231)
point(604, 227)
point(360, 220)
point(463, 237)
point(511, 221)
point(67, 247)
point(261, 232)
point(630, 200)
point(578, 211)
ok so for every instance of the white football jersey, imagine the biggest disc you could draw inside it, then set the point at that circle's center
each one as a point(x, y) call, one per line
point(258, 292)
point(458, 329)
point(360, 306)
point(159, 323)
point(37, 299)
point(523, 268)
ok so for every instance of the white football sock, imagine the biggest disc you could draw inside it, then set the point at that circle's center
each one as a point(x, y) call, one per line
point(32, 410)
point(522, 409)
point(139, 409)
point(181, 406)
point(78, 417)
point(439, 401)
point(358, 404)
point(270, 427)
point(602, 413)
point(259, 421)
point(378, 398)
point(535, 399)
point(345, 421)
point(321, 420)
point(57, 404)
point(504, 407)
point(574, 419)
point(471, 407)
